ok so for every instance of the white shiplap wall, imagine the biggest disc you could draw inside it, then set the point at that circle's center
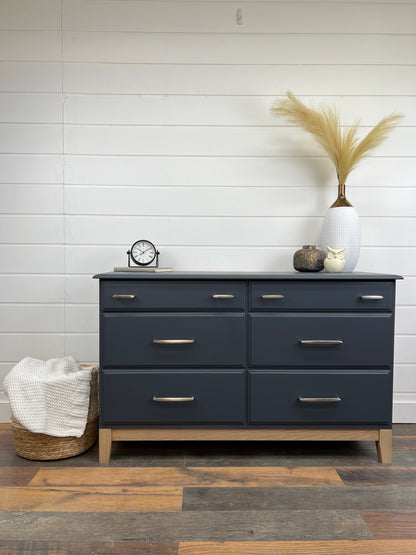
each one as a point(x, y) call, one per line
point(128, 119)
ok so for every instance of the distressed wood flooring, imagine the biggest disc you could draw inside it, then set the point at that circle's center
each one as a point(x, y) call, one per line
point(206, 498)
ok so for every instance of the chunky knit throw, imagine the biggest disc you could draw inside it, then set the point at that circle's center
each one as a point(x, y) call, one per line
point(49, 397)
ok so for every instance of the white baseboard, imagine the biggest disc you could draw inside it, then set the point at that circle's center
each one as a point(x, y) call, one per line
point(404, 408)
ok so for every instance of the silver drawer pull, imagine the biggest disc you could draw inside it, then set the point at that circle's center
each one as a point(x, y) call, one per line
point(321, 341)
point(124, 296)
point(223, 296)
point(173, 341)
point(272, 297)
point(319, 399)
point(371, 297)
point(173, 399)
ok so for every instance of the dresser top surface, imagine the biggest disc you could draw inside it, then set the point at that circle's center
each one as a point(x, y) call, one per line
point(275, 276)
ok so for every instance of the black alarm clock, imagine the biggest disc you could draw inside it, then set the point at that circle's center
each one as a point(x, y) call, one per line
point(143, 253)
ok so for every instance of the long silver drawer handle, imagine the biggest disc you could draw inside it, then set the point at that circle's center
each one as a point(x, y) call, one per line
point(223, 296)
point(173, 399)
point(173, 341)
point(319, 399)
point(321, 341)
point(272, 297)
point(124, 296)
point(372, 297)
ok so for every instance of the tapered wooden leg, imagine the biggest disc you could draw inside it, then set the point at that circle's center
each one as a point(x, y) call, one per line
point(384, 446)
point(104, 445)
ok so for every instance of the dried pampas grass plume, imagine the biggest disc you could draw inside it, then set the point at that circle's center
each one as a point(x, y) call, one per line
point(343, 147)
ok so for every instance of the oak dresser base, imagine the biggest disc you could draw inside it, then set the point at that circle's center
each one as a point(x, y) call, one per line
point(382, 437)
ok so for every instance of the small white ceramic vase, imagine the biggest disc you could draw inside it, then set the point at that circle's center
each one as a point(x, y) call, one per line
point(341, 229)
point(335, 261)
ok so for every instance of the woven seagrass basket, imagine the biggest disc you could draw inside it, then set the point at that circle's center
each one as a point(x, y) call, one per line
point(42, 447)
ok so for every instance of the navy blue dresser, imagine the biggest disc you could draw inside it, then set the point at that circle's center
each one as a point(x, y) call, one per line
point(243, 356)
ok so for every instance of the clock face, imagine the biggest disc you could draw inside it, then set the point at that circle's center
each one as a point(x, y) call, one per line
point(143, 252)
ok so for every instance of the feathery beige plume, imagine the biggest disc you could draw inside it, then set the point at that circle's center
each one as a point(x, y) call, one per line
point(343, 147)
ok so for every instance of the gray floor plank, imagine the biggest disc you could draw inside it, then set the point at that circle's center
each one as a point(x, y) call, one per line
point(355, 453)
point(123, 454)
point(185, 526)
point(86, 548)
point(247, 499)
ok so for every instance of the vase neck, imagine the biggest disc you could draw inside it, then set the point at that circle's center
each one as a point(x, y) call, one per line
point(341, 199)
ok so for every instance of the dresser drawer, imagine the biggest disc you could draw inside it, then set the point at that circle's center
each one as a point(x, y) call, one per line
point(322, 295)
point(321, 339)
point(173, 397)
point(320, 397)
point(124, 295)
point(166, 339)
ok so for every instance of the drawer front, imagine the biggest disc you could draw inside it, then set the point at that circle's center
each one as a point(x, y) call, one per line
point(123, 295)
point(322, 295)
point(315, 339)
point(165, 339)
point(172, 397)
point(320, 397)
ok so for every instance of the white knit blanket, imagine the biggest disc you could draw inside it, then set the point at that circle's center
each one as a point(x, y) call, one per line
point(49, 397)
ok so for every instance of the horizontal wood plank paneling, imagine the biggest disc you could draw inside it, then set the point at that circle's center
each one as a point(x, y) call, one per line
point(31, 169)
point(221, 201)
point(5, 368)
point(81, 318)
point(406, 291)
point(15, 347)
point(121, 120)
point(404, 378)
point(261, 48)
point(220, 17)
point(82, 346)
point(238, 79)
point(202, 231)
point(207, 140)
point(234, 230)
point(31, 229)
point(81, 289)
point(89, 259)
point(404, 350)
point(219, 110)
point(40, 46)
point(32, 288)
point(31, 76)
point(30, 199)
point(31, 318)
point(197, 171)
point(30, 138)
point(39, 259)
point(405, 320)
point(26, 14)
point(30, 108)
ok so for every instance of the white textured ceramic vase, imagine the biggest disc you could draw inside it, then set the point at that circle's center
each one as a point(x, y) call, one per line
point(341, 228)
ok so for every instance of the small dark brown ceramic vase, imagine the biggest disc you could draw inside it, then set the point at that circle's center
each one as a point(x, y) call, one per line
point(309, 259)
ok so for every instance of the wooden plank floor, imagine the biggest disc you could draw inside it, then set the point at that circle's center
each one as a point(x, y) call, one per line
point(212, 498)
